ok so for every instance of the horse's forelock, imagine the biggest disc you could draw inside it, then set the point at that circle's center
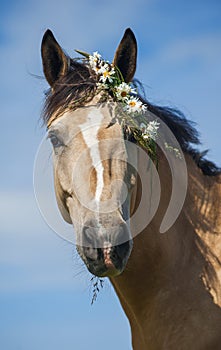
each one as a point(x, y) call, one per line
point(71, 91)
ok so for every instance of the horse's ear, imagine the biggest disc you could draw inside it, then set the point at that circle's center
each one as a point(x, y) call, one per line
point(55, 62)
point(126, 55)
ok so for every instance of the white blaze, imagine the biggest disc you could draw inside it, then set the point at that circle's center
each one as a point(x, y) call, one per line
point(89, 131)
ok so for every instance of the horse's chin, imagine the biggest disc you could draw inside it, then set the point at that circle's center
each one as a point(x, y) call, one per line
point(104, 272)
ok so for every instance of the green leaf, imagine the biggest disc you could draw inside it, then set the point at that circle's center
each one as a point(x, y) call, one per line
point(85, 54)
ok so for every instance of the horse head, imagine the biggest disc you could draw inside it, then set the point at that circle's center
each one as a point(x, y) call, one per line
point(94, 182)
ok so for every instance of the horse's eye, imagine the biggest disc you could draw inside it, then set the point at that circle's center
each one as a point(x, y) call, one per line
point(56, 142)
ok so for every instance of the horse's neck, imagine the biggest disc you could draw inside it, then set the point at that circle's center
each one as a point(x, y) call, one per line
point(170, 274)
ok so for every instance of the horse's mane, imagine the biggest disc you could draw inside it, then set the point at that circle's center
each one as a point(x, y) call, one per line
point(78, 87)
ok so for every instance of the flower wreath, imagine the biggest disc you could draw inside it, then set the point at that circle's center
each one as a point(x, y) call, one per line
point(131, 116)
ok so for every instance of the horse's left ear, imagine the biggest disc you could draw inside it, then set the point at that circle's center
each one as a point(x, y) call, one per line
point(126, 55)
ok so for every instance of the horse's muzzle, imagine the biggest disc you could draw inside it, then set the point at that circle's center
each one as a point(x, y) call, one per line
point(105, 251)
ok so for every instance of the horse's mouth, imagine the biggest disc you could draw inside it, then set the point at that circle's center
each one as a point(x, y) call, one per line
point(103, 271)
point(108, 261)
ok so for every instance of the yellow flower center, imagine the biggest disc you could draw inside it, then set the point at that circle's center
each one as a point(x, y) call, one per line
point(123, 94)
point(132, 103)
point(106, 74)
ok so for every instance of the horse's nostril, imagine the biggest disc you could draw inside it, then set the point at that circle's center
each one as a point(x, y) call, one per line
point(121, 251)
point(90, 253)
point(89, 244)
point(114, 255)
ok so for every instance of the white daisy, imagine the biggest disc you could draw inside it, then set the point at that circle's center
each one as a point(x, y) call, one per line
point(95, 61)
point(94, 58)
point(134, 105)
point(107, 73)
point(123, 90)
point(103, 66)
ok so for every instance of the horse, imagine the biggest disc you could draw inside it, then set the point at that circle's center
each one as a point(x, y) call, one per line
point(169, 284)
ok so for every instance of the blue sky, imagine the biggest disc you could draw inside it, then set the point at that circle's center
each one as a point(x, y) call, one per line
point(45, 290)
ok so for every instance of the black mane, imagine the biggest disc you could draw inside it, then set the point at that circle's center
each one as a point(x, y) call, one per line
point(187, 136)
point(78, 87)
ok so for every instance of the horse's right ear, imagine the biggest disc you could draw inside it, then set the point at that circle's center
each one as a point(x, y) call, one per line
point(55, 62)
